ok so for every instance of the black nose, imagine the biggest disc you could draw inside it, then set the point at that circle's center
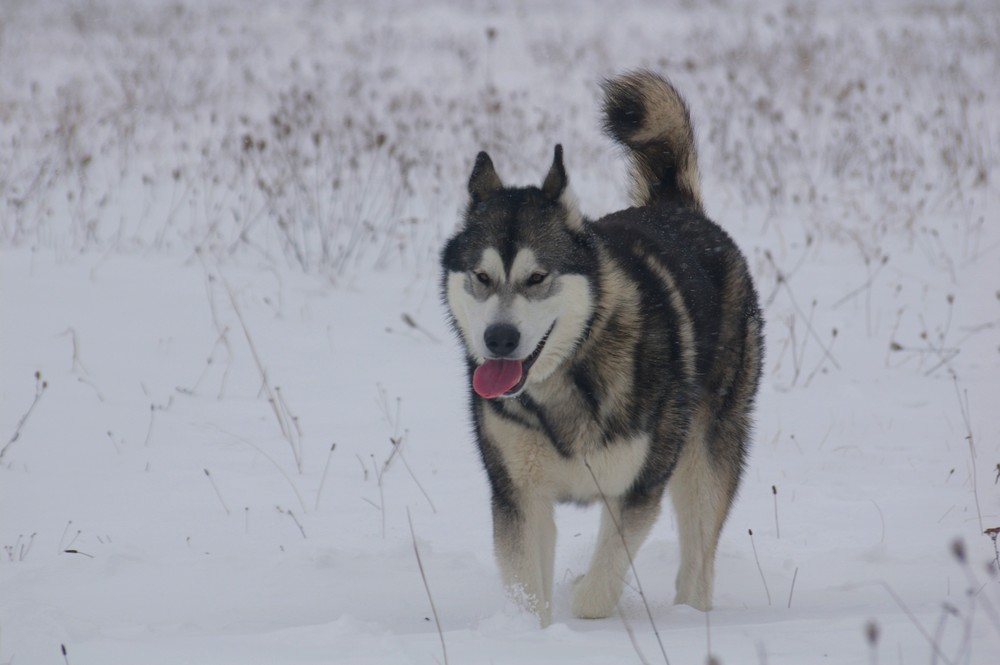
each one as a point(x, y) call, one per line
point(501, 339)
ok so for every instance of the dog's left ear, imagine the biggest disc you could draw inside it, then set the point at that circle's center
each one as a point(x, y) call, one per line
point(556, 181)
point(556, 188)
point(484, 181)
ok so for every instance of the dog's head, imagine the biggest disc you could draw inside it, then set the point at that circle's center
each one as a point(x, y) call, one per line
point(519, 279)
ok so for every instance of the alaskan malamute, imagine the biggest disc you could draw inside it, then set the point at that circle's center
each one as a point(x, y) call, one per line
point(607, 359)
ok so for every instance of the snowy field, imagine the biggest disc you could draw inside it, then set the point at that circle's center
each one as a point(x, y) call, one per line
point(231, 412)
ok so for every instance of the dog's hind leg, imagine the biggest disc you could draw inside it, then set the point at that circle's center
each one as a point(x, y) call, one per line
point(625, 523)
point(702, 489)
point(524, 538)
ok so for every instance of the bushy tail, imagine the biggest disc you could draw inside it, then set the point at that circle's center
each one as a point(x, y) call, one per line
point(644, 113)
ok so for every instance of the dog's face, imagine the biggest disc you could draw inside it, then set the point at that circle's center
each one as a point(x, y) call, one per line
point(516, 280)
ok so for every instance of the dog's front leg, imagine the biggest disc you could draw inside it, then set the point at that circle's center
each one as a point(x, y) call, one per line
point(625, 523)
point(524, 536)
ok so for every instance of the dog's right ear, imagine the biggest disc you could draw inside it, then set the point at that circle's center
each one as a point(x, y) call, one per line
point(556, 180)
point(484, 181)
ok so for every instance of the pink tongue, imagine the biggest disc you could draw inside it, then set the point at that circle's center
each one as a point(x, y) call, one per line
point(495, 377)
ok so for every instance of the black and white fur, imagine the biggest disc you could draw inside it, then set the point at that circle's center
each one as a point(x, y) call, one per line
point(639, 342)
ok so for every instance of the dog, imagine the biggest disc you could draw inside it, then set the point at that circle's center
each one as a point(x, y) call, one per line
point(608, 360)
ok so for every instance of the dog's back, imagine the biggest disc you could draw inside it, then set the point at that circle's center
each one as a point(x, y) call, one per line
point(701, 300)
point(668, 231)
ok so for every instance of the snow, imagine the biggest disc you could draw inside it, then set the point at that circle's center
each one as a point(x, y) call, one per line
point(162, 278)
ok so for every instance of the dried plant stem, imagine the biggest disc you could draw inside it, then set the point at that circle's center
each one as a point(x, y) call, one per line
point(296, 520)
point(19, 550)
point(411, 322)
point(326, 469)
point(59, 547)
point(631, 561)
point(392, 417)
point(427, 588)
point(975, 586)
point(381, 491)
point(963, 403)
point(913, 619)
point(289, 428)
point(867, 285)
point(40, 388)
point(289, 416)
point(631, 637)
point(783, 282)
point(777, 528)
point(217, 492)
point(761, 570)
point(406, 465)
point(149, 430)
point(819, 365)
point(795, 576)
point(947, 609)
point(276, 466)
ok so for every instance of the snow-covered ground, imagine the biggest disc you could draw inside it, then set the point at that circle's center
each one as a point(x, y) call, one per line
point(231, 412)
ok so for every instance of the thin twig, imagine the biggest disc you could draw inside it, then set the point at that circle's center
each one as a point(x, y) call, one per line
point(40, 387)
point(913, 619)
point(819, 365)
point(290, 416)
point(783, 281)
point(63, 536)
point(410, 321)
point(881, 518)
point(326, 468)
point(631, 562)
point(631, 637)
point(964, 406)
point(958, 549)
point(792, 590)
point(217, 492)
point(275, 465)
point(777, 529)
point(761, 570)
point(294, 519)
point(381, 491)
point(397, 445)
point(946, 610)
point(273, 398)
point(149, 430)
point(393, 418)
point(111, 437)
point(867, 284)
point(427, 588)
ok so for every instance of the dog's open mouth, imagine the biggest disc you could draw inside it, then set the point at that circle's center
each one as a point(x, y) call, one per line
point(503, 376)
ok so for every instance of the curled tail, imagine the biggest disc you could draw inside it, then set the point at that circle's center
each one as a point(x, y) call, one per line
point(644, 113)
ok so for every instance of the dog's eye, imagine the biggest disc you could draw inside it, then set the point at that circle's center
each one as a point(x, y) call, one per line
point(536, 278)
point(483, 278)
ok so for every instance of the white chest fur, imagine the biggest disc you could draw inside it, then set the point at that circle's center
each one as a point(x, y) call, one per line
point(536, 466)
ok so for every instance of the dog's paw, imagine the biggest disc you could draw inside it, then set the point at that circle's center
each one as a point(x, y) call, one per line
point(697, 602)
point(594, 597)
point(694, 591)
point(529, 603)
